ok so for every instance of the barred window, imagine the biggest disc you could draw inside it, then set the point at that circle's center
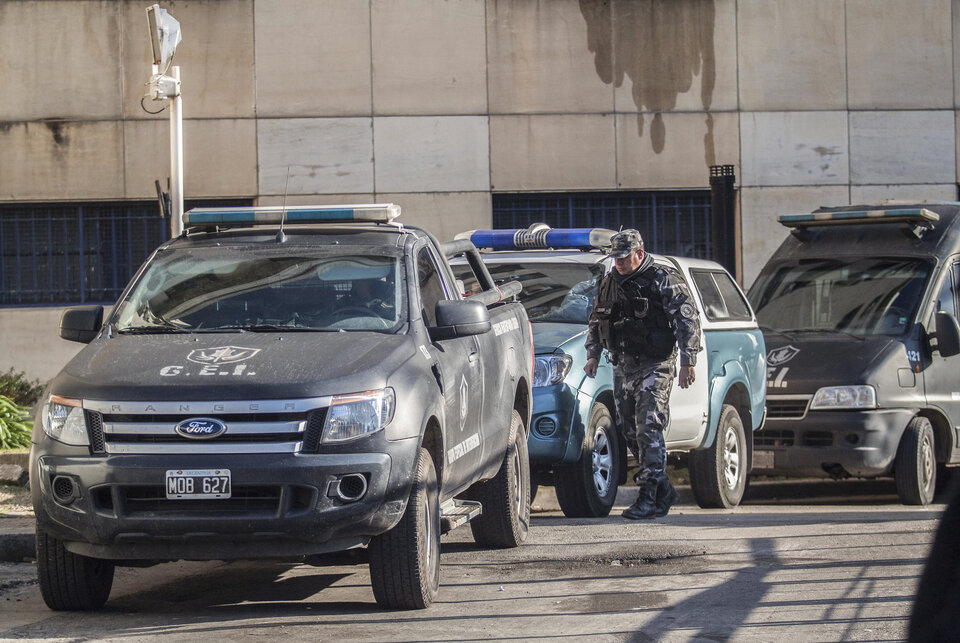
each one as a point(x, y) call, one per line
point(675, 222)
point(77, 253)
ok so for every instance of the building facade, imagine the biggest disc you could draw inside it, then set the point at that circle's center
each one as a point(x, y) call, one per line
point(455, 109)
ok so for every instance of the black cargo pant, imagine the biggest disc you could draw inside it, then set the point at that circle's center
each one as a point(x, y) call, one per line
point(642, 393)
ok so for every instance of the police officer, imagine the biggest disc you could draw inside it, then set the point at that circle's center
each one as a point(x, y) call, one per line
point(641, 314)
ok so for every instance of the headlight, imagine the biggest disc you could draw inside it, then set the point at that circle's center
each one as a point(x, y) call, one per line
point(551, 369)
point(358, 414)
point(845, 397)
point(62, 420)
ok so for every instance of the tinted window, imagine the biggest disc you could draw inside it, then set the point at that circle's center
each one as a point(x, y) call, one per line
point(868, 296)
point(946, 300)
point(554, 292)
point(721, 299)
point(431, 288)
point(220, 288)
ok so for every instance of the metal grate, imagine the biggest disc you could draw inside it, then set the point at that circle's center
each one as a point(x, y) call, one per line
point(786, 409)
point(95, 429)
point(68, 253)
point(767, 438)
point(671, 222)
point(311, 437)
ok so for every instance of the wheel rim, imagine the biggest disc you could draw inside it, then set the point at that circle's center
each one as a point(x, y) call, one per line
point(731, 458)
point(602, 461)
point(927, 465)
point(517, 483)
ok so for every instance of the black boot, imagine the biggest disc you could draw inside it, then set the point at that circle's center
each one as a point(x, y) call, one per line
point(645, 505)
point(667, 496)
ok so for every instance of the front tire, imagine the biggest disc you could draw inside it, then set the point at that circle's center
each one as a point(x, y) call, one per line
point(405, 561)
point(915, 469)
point(718, 474)
point(505, 520)
point(588, 488)
point(69, 581)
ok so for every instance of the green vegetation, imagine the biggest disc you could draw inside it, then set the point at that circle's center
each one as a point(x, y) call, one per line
point(15, 425)
point(16, 387)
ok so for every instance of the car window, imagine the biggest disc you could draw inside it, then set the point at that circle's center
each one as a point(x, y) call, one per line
point(722, 300)
point(431, 288)
point(946, 299)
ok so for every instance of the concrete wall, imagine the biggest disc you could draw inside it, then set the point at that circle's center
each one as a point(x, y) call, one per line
point(436, 105)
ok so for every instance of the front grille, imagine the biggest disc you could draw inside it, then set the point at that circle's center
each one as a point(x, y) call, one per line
point(152, 500)
point(787, 408)
point(818, 439)
point(265, 426)
point(769, 438)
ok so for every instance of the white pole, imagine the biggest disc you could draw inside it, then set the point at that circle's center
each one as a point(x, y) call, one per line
point(176, 160)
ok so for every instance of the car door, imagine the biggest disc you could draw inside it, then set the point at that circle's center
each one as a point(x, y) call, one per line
point(461, 378)
point(941, 379)
point(689, 406)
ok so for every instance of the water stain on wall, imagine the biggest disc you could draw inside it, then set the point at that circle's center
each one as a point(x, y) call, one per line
point(662, 46)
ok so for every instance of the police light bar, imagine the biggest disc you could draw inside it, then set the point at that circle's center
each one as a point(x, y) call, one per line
point(916, 216)
point(539, 236)
point(294, 214)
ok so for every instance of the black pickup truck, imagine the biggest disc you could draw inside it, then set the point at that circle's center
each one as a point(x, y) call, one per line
point(284, 382)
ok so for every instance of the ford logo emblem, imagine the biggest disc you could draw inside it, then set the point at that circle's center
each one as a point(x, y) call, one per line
point(201, 428)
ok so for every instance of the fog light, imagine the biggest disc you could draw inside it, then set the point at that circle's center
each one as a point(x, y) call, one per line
point(64, 490)
point(546, 426)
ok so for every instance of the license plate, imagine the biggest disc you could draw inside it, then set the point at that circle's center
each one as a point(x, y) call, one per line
point(189, 484)
point(762, 459)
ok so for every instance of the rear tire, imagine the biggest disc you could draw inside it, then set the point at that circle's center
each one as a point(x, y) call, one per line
point(505, 520)
point(69, 581)
point(588, 488)
point(915, 468)
point(405, 561)
point(718, 474)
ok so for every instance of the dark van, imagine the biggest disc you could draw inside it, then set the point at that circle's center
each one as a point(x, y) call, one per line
point(858, 307)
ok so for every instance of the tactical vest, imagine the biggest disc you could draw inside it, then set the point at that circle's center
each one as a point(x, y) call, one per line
point(632, 320)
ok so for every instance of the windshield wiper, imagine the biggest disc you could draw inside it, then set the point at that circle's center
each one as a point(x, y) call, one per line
point(827, 331)
point(262, 328)
point(149, 330)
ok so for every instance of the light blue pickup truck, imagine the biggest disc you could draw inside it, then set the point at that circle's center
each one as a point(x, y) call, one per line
point(573, 442)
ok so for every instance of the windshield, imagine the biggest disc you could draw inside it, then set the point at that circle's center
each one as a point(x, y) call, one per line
point(552, 292)
point(862, 296)
point(234, 288)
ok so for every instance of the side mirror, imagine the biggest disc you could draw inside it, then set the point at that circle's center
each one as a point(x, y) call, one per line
point(460, 319)
point(82, 324)
point(948, 334)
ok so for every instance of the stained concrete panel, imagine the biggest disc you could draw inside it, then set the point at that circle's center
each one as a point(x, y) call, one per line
point(902, 147)
point(761, 233)
point(691, 144)
point(443, 214)
point(313, 58)
point(553, 152)
point(794, 148)
point(899, 54)
point(549, 56)
point(315, 155)
point(30, 342)
point(60, 160)
point(317, 199)
point(792, 55)
point(60, 60)
point(215, 57)
point(431, 153)
point(671, 55)
point(917, 193)
point(429, 57)
point(219, 158)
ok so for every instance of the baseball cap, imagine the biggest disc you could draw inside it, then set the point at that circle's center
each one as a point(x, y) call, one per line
point(625, 242)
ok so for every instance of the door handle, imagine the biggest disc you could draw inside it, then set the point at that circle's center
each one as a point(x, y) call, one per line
point(473, 357)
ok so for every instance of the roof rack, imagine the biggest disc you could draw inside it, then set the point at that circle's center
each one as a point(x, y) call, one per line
point(539, 236)
point(199, 218)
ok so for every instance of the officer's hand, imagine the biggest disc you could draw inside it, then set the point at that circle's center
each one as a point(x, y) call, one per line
point(686, 376)
point(590, 368)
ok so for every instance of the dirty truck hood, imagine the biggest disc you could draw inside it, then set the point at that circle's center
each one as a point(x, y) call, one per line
point(804, 362)
point(231, 366)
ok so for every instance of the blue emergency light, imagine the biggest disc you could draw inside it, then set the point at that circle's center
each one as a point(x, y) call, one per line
point(916, 216)
point(295, 214)
point(539, 236)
